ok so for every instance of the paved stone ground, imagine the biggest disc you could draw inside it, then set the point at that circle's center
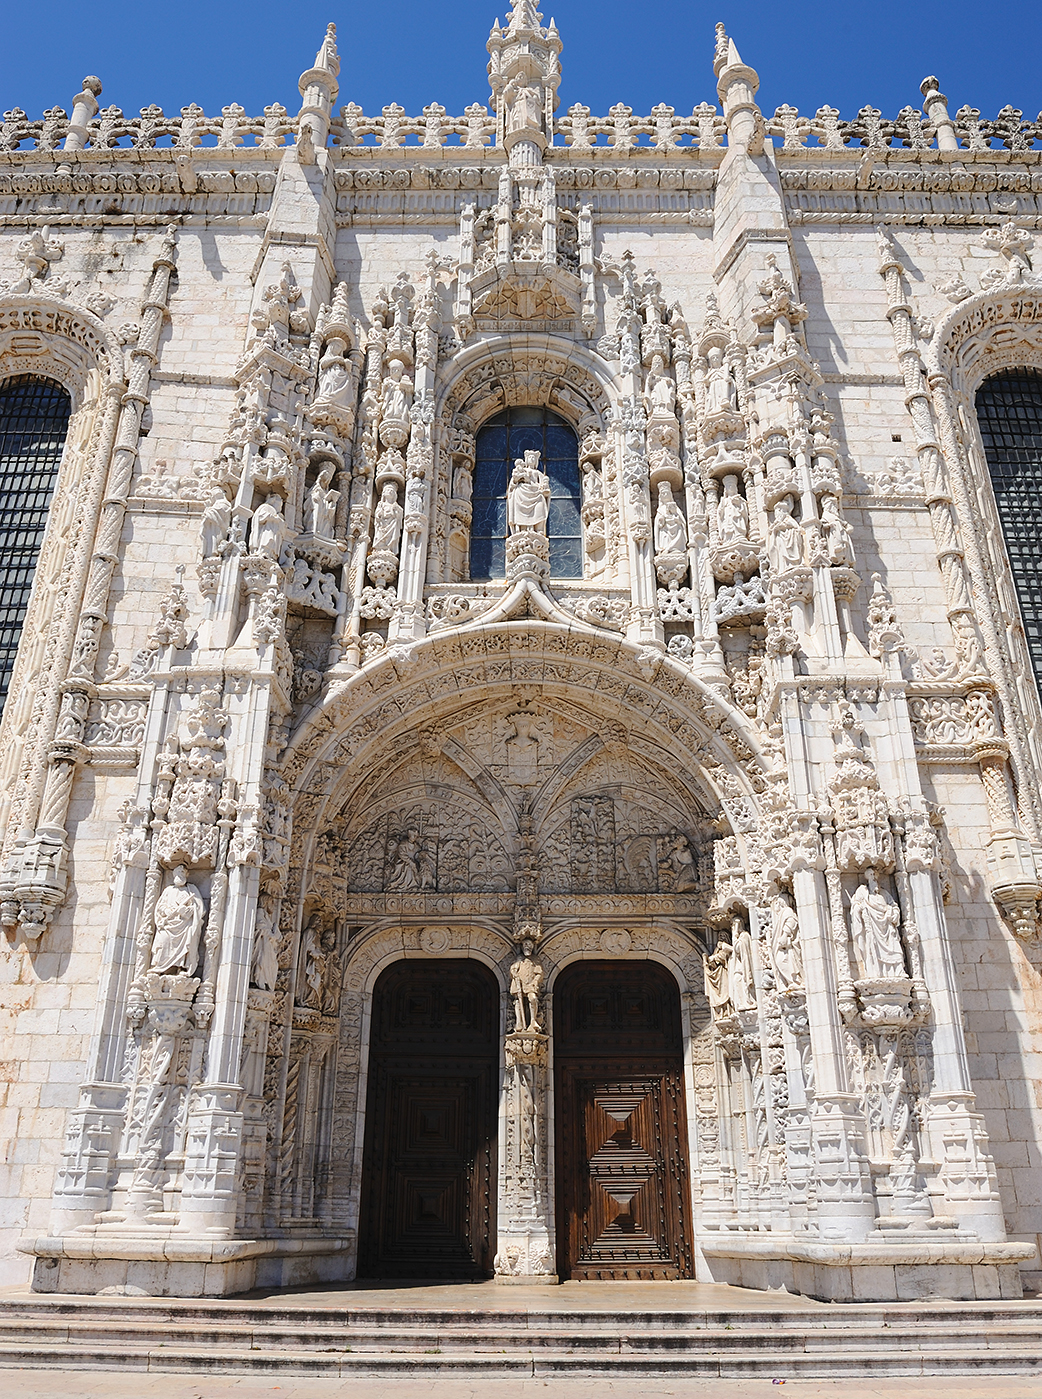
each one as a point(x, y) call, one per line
point(67, 1384)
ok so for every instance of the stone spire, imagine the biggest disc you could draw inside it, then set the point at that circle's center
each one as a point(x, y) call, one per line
point(524, 73)
point(318, 89)
point(736, 86)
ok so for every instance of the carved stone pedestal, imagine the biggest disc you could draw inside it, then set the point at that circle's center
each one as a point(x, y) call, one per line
point(525, 1252)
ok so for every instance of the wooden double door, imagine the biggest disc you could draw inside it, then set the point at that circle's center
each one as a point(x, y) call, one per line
point(623, 1188)
point(428, 1174)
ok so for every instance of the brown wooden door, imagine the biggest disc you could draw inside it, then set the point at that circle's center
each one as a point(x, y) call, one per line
point(623, 1192)
point(427, 1207)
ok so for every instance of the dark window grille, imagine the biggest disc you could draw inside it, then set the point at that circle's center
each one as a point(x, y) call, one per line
point(34, 419)
point(502, 440)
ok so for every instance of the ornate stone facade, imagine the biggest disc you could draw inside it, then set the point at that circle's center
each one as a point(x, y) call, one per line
point(268, 736)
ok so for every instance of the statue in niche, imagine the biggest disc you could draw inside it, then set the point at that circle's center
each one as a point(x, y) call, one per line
point(732, 513)
point(216, 523)
point(312, 965)
point(269, 531)
point(179, 922)
point(670, 526)
point(525, 109)
point(837, 532)
point(411, 864)
point(528, 496)
point(721, 393)
point(526, 985)
point(786, 957)
point(264, 966)
point(387, 521)
point(320, 510)
point(397, 393)
point(875, 923)
point(662, 392)
point(332, 973)
point(785, 538)
point(462, 484)
point(416, 496)
point(743, 984)
point(717, 975)
point(334, 378)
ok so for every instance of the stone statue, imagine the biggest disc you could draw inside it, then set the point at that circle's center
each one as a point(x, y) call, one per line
point(662, 392)
point(717, 973)
point(528, 496)
point(683, 861)
point(264, 966)
point(411, 866)
point(320, 511)
point(670, 526)
point(721, 394)
point(837, 532)
point(269, 531)
point(332, 973)
point(785, 538)
point(217, 520)
point(526, 985)
point(875, 923)
point(732, 513)
point(333, 374)
point(312, 966)
point(743, 984)
point(387, 521)
point(786, 957)
point(179, 922)
point(416, 496)
point(525, 112)
point(397, 392)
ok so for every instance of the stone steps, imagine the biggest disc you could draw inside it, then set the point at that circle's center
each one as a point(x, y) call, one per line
point(833, 1342)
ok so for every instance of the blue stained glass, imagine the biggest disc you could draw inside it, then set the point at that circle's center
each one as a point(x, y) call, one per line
point(491, 477)
point(490, 517)
point(564, 477)
point(529, 416)
point(566, 558)
point(525, 439)
point(563, 518)
point(560, 443)
point(494, 443)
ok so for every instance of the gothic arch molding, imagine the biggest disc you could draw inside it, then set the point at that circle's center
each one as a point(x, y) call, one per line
point(510, 371)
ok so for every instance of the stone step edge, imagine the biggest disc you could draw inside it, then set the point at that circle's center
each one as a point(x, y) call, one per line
point(852, 1363)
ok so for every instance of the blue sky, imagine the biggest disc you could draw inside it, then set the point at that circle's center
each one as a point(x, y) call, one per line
point(807, 54)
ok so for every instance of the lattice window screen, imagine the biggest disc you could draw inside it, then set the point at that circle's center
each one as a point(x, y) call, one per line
point(34, 418)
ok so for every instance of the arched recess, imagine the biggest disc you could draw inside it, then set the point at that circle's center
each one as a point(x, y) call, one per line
point(987, 333)
point(66, 344)
point(418, 806)
point(484, 379)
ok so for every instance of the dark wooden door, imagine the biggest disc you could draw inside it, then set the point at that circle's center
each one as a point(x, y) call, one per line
point(623, 1190)
point(428, 1172)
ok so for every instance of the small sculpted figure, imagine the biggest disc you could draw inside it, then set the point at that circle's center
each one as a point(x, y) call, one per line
point(786, 957)
point(717, 973)
point(217, 519)
point(732, 513)
point(837, 532)
point(387, 521)
point(397, 392)
point(670, 526)
point(875, 922)
point(743, 985)
point(179, 921)
point(269, 531)
point(526, 984)
point(528, 496)
point(785, 538)
point(320, 511)
point(721, 394)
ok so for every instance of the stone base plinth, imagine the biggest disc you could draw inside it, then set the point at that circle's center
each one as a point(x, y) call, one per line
point(870, 1271)
point(183, 1267)
point(530, 1280)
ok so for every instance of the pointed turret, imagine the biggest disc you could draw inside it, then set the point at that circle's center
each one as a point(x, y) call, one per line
point(736, 85)
point(524, 73)
point(318, 89)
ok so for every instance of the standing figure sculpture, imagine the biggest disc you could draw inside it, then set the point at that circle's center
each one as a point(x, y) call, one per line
point(387, 521)
point(320, 511)
point(786, 957)
point(875, 922)
point(526, 985)
point(179, 921)
point(670, 526)
point(717, 973)
point(528, 496)
point(732, 514)
point(785, 538)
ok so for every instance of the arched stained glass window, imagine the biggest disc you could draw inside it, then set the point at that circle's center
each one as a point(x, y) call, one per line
point(34, 418)
point(502, 440)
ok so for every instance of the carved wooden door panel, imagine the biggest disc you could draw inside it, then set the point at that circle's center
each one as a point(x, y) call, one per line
point(428, 1169)
point(623, 1189)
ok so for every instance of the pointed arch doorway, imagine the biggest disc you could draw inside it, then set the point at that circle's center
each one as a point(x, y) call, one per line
point(623, 1180)
point(428, 1166)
